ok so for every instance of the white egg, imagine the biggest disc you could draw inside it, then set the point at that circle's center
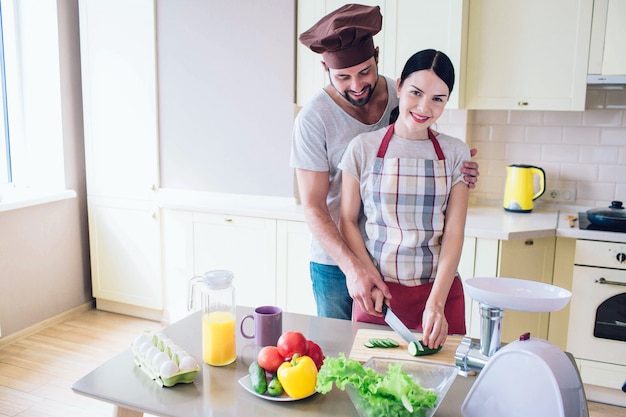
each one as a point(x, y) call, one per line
point(188, 363)
point(173, 349)
point(178, 356)
point(159, 359)
point(164, 344)
point(140, 340)
point(168, 342)
point(151, 353)
point(156, 338)
point(168, 368)
point(143, 349)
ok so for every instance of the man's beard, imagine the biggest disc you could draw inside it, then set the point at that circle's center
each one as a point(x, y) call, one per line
point(361, 101)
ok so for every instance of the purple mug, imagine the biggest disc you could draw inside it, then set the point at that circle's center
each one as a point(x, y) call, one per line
point(268, 325)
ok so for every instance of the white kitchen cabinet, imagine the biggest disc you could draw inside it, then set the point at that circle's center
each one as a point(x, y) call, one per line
point(408, 27)
point(530, 259)
point(118, 65)
point(479, 258)
point(606, 53)
point(120, 98)
point(529, 55)
point(125, 252)
point(244, 245)
point(197, 242)
point(292, 267)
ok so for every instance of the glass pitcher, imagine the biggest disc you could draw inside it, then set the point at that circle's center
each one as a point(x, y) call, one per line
point(217, 296)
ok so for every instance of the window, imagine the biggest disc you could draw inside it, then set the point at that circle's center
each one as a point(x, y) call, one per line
point(31, 108)
point(5, 152)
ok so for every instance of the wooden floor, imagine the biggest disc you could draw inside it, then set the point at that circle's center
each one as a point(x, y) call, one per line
point(37, 371)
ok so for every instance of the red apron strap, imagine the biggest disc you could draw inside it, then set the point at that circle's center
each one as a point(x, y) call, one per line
point(435, 142)
point(382, 150)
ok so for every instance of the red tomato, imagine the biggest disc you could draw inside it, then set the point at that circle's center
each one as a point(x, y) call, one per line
point(290, 343)
point(314, 351)
point(270, 359)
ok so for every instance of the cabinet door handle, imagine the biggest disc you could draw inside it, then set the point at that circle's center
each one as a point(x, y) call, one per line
point(529, 242)
point(607, 282)
point(522, 103)
point(228, 220)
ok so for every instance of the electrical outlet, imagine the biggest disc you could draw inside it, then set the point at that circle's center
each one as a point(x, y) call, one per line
point(561, 194)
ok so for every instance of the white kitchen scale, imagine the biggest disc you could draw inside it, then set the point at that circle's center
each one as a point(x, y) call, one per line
point(528, 377)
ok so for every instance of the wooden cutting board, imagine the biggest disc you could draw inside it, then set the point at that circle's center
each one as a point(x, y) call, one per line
point(360, 353)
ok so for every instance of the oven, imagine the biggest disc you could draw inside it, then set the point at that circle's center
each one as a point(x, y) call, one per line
point(597, 323)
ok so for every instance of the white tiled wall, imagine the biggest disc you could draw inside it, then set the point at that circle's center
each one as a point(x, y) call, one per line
point(580, 151)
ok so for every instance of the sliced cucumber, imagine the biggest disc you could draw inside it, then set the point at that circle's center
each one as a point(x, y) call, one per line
point(390, 343)
point(414, 350)
point(377, 342)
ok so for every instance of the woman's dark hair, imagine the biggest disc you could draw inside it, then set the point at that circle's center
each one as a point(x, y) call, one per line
point(428, 59)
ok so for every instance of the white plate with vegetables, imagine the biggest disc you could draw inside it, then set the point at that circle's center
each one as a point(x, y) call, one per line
point(247, 385)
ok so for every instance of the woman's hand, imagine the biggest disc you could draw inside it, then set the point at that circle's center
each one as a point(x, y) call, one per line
point(434, 325)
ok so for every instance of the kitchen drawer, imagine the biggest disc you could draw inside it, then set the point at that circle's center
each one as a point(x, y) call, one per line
point(602, 374)
point(600, 254)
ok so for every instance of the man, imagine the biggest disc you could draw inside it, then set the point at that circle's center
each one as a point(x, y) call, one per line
point(357, 99)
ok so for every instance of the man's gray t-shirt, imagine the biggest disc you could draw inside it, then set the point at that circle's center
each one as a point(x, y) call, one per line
point(322, 131)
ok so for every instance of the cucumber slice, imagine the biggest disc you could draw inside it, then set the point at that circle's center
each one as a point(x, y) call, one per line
point(381, 343)
point(414, 351)
point(392, 343)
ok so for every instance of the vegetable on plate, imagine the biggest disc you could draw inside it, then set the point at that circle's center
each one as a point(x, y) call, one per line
point(298, 376)
point(258, 380)
point(274, 388)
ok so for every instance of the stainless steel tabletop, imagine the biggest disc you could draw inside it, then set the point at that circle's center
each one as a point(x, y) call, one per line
point(216, 390)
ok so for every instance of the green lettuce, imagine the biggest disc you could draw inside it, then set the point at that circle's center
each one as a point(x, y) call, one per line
point(393, 394)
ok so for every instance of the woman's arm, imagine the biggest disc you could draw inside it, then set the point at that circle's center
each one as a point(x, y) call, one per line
point(361, 289)
point(434, 322)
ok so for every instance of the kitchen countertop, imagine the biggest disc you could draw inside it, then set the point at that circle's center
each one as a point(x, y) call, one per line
point(564, 230)
point(488, 221)
point(483, 220)
point(216, 391)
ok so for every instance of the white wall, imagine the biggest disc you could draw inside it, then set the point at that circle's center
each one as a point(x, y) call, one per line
point(226, 91)
point(44, 258)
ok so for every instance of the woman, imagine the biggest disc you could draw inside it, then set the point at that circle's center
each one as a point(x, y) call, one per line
point(408, 180)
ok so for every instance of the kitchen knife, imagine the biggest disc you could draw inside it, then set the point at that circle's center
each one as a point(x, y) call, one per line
point(396, 324)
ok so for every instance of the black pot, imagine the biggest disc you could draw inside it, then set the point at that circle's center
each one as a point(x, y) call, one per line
point(613, 217)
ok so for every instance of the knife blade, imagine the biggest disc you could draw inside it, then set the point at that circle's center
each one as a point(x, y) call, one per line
point(396, 324)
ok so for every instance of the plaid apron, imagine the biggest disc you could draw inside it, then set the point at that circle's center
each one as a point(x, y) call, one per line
point(405, 199)
point(404, 202)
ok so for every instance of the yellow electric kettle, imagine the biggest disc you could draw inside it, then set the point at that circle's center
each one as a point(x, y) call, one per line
point(519, 191)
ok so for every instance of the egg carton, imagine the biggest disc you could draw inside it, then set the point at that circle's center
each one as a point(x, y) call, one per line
point(163, 361)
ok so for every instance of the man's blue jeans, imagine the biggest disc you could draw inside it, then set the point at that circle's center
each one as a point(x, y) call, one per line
point(330, 291)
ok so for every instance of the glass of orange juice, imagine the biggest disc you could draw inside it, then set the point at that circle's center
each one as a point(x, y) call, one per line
point(218, 338)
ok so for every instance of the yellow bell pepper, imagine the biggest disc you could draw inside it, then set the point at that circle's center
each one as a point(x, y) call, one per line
point(298, 376)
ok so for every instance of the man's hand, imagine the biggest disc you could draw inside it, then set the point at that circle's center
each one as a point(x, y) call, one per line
point(470, 170)
point(368, 290)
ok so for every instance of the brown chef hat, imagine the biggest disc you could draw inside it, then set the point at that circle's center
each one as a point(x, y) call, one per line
point(344, 37)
